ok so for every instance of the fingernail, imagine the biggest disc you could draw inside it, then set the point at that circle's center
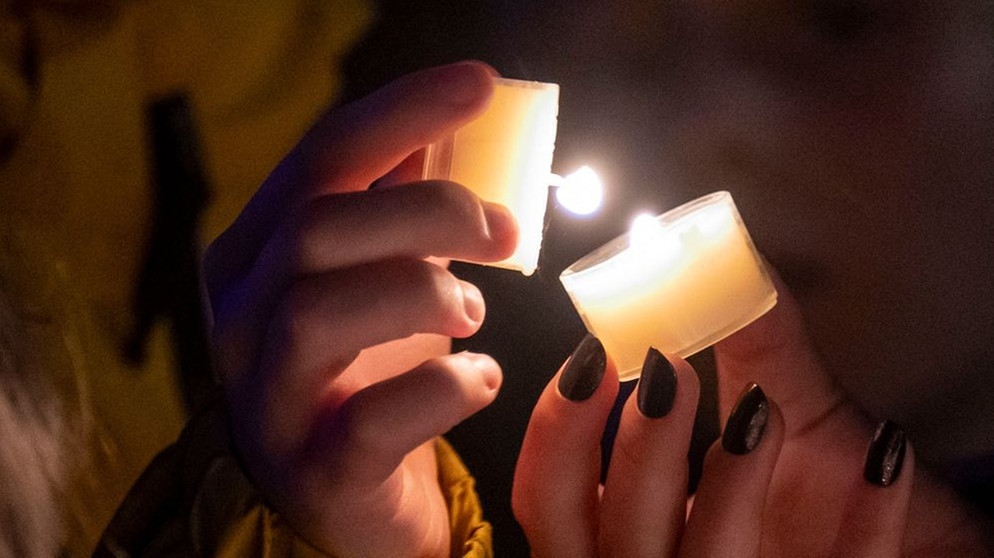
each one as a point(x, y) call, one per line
point(500, 221)
point(584, 370)
point(885, 456)
point(747, 422)
point(473, 303)
point(657, 385)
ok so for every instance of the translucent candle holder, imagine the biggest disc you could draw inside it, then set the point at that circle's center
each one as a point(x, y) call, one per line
point(505, 156)
point(689, 280)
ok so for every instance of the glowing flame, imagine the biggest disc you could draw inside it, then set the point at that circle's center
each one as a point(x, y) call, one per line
point(648, 236)
point(645, 231)
point(581, 192)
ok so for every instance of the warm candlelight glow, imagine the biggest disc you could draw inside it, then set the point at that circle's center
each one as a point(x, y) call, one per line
point(678, 282)
point(505, 156)
point(645, 232)
point(581, 192)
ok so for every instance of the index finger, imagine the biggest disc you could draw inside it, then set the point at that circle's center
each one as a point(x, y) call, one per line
point(352, 146)
point(555, 492)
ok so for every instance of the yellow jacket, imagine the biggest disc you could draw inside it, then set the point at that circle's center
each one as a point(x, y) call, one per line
point(195, 500)
point(76, 77)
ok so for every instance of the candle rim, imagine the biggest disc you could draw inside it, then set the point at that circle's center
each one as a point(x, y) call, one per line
point(619, 244)
point(526, 83)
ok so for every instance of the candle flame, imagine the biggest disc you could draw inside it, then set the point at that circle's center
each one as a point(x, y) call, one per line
point(645, 231)
point(581, 192)
point(649, 238)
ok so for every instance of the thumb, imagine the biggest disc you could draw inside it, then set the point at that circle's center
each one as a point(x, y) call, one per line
point(776, 352)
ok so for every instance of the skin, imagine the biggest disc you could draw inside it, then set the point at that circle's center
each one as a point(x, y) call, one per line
point(334, 408)
point(799, 493)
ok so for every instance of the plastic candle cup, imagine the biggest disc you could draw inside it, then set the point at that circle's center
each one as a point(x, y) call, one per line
point(678, 282)
point(505, 156)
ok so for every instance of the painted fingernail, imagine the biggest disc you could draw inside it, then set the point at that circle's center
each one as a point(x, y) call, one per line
point(747, 422)
point(885, 456)
point(584, 370)
point(657, 385)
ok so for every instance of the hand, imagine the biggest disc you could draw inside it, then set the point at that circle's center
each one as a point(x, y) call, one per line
point(800, 491)
point(815, 506)
point(332, 328)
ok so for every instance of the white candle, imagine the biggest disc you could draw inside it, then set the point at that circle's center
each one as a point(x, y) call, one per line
point(505, 156)
point(679, 282)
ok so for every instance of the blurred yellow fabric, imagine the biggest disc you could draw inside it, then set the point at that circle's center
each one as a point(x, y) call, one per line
point(195, 501)
point(76, 78)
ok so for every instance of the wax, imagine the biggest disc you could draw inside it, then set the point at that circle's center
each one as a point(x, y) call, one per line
point(679, 283)
point(505, 156)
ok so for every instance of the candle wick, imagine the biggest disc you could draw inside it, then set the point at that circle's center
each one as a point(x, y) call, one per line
point(555, 180)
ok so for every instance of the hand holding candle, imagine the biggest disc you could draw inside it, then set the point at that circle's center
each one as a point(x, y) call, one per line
point(679, 283)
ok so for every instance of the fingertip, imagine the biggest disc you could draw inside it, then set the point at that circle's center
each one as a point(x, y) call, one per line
point(728, 509)
point(468, 84)
point(473, 303)
point(643, 505)
point(502, 229)
point(656, 390)
point(583, 372)
point(877, 512)
point(665, 381)
point(746, 425)
point(489, 371)
point(886, 454)
point(555, 494)
point(484, 66)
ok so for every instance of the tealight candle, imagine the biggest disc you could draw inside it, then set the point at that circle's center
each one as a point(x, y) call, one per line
point(678, 282)
point(505, 156)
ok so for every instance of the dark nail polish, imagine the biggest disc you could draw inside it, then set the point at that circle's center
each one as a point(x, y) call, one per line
point(584, 370)
point(885, 456)
point(745, 426)
point(657, 385)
